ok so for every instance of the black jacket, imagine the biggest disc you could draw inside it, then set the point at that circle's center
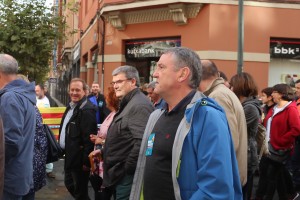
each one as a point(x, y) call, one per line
point(77, 142)
point(124, 137)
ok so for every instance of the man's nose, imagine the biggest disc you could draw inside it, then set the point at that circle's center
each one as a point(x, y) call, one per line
point(155, 74)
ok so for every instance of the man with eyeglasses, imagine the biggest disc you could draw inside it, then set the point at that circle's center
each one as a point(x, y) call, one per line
point(125, 134)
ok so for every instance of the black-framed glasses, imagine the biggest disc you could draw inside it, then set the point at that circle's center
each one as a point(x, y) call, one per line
point(118, 82)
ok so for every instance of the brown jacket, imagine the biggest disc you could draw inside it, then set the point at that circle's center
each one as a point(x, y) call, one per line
point(236, 119)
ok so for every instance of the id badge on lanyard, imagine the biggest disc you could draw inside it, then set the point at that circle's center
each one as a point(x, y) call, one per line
point(150, 144)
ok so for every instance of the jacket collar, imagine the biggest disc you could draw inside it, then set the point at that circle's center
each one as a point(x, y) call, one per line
point(128, 97)
point(80, 103)
point(214, 84)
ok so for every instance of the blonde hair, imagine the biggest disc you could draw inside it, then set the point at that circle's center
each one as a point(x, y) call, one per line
point(22, 77)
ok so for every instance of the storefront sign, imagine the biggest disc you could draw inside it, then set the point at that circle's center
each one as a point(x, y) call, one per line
point(285, 48)
point(149, 48)
point(76, 53)
point(52, 80)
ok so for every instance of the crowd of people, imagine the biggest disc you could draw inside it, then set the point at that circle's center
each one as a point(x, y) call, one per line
point(190, 134)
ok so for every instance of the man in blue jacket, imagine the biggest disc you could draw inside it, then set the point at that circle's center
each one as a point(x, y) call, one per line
point(17, 100)
point(187, 150)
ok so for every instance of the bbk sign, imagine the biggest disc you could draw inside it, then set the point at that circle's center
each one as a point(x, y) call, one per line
point(285, 48)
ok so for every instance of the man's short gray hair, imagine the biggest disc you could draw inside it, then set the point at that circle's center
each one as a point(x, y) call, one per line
point(8, 64)
point(187, 57)
point(129, 71)
point(152, 85)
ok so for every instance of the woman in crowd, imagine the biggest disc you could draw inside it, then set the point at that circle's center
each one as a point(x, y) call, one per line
point(283, 126)
point(113, 104)
point(244, 87)
point(39, 153)
point(267, 100)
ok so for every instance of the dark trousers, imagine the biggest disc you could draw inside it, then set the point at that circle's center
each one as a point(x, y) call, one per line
point(105, 194)
point(274, 175)
point(295, 164)
point(263, 180)
point(77, 184)
point(123, 188)
point(101, 193)
point(247, 189)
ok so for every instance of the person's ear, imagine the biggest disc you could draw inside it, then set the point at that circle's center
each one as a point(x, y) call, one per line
point(183, 74)
point(133, 82)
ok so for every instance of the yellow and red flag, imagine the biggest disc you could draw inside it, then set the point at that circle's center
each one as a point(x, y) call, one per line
point(52, 117)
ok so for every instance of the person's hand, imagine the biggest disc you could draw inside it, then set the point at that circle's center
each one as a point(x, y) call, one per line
point(95, 153)
point(93, 138)
point(99, 141)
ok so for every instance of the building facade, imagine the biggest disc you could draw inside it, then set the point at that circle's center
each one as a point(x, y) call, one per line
point(115, 32)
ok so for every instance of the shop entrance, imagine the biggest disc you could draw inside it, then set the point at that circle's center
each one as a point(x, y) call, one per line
point(144, 54)
point(145, 68)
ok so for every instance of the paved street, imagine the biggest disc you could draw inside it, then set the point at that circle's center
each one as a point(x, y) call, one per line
point(55, 188)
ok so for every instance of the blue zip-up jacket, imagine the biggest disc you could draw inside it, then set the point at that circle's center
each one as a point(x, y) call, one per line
point(93, 99)
point(204, 164)
point(17, 100)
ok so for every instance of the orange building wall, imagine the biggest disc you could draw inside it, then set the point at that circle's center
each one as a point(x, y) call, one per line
point(90, 76)
point(261, 24)
point(91, 7)
point(215, 29)
point(89, 40)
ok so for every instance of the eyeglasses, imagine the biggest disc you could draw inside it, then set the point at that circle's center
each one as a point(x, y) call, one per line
point(118, 82)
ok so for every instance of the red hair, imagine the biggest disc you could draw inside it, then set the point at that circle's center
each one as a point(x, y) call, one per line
point(111, 99)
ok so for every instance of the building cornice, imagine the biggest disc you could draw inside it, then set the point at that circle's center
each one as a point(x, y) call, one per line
point(179, 13)
point(112, 58)
point(232, 56)
point(210, 55)
point(140, 4)
point(177, 10)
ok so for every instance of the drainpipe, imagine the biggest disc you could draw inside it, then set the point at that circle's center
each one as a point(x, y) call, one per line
point(240, 37)
point(102, 52)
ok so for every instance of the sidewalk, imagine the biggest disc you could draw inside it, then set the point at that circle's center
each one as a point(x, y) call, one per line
point(55, 188)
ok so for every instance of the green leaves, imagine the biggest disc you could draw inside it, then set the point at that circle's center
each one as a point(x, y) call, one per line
point(28, 31)
point(14, 37)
